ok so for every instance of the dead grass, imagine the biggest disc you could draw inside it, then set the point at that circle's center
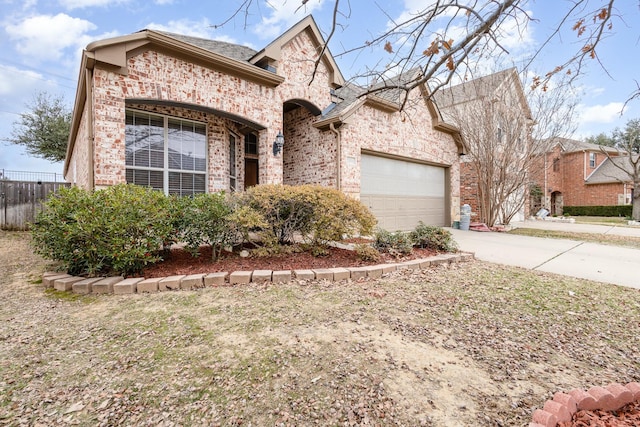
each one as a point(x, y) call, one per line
point(607, 239)
point(475, 344)
point(602, 220)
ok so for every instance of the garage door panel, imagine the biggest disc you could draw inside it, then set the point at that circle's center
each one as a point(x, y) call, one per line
point(401, 193)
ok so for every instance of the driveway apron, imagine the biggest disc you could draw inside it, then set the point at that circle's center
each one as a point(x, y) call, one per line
point(603, 263)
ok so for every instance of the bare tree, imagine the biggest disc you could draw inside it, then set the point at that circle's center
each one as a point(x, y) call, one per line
point(627, 161)
point(506, 130)
point(447, 39)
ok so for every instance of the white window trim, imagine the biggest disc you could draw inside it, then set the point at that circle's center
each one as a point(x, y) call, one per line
point(166, 170)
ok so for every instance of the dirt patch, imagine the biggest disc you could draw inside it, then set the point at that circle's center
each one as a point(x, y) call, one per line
point(469, 344)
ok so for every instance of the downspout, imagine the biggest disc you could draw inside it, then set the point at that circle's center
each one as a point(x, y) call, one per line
point(338, 156)
point(89, 88)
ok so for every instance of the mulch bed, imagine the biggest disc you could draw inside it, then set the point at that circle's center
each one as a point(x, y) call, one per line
point(181, 262)
point(626, 416)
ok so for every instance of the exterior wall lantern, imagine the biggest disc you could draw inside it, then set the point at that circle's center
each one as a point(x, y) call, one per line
point(278, 143)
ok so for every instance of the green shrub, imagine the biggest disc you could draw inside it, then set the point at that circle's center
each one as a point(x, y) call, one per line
point(426, 236)
point(205, 221)
point(617, 210)
point(285, 211)
point(398, 243)
point(120, 229)
point(314, 214)
point(367, 252)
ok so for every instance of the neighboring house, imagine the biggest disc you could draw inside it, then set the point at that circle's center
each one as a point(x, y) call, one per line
point(495, 120)
point(187, 115)
point(576, 173)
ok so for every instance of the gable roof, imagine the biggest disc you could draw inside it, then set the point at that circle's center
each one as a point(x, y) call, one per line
point(573, 146)
point(272, 52)
point(612, 170)
point(390, 99)
point(481, 87)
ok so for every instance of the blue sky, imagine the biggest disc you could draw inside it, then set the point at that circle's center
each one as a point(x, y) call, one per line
point(42, 43)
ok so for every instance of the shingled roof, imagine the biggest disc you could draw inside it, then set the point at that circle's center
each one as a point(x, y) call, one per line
point(230, 50)
point(610, 171)
point(388, 89)
point(472, 89)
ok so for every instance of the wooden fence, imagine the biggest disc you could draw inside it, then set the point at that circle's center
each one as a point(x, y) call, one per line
point(20, 201)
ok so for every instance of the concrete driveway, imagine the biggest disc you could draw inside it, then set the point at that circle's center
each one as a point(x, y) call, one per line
point(602, 263)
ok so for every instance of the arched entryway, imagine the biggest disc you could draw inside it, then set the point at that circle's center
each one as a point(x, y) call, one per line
point(309, 154)
point(556, 203)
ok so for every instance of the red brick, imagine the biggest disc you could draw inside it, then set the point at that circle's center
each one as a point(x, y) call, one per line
point(584, 400)
point(635, 389)
point(621, 395)
point(567, 400)
point(545, 418)
point(561, 412)
point(604, 398)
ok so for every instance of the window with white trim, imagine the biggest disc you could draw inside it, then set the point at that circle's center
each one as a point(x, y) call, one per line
point(166, 153)
point(592, 160)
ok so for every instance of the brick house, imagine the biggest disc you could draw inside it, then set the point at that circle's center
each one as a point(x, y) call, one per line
point(495, 120)
point(576, 173)
point(187, 115)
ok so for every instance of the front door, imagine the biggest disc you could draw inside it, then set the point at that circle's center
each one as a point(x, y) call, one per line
point(250, 173)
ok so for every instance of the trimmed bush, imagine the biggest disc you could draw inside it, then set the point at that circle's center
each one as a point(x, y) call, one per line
point(426, 236)
point(617, 210)
point(314, 214)
point(205, 221)
point(397, 244)
point(118, 230)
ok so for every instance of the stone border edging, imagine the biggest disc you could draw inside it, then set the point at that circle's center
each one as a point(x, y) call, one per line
point(119, 285)
point(564, 405)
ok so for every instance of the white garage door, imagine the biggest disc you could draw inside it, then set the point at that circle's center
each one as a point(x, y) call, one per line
point(401, 193)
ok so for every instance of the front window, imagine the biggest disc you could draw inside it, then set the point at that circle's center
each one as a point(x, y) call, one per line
point(166, 153)
point(592, 160)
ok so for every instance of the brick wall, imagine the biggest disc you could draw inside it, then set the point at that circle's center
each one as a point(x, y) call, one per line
point(576, 168)
point(568, 179)
point(309, 154)
point(80, 165)
point(155, 75)
point(409, 134)
point(469, 188)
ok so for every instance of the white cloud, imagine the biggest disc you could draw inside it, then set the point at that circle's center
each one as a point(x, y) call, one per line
point(81, 4)
point(185, 27)
point(15, 81)
point(607, 113)
point(47, 36)
point(284, 14)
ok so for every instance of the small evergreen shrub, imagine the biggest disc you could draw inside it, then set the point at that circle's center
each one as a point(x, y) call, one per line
point(367, 252)
point(426, 236)
point(118, 230)
point(396, 244)
point(206, 221)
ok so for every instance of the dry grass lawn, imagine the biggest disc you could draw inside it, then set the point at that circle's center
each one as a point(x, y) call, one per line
point(472, 344)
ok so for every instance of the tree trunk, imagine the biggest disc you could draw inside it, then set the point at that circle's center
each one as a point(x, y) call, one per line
point(635, 211)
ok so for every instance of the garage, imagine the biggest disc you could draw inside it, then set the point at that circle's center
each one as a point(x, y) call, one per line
point(401, 193)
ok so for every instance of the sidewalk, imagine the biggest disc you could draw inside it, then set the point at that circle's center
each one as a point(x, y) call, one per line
point(580, 228)
point(602, 263)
